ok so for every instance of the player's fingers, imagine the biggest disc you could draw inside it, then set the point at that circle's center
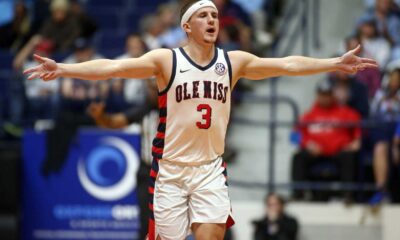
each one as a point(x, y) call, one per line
point(45, 76)
point(368, 60)
point(369, 65)
point(49, 76)
point(31, 70)
point(356, 50)
point(52, 75)
point(39, 58)
point(33, 76)
point(349, 69)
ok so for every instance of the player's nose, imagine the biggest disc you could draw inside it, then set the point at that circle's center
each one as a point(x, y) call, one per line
point(210, 20)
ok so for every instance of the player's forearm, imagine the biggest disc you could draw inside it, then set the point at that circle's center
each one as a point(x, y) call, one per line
point(99, 69)
point(298, 65)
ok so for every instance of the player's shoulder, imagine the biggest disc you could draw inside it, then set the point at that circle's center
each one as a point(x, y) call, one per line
point(161, 57)
point(239, 54)
point(160, 53)
point(240, 58)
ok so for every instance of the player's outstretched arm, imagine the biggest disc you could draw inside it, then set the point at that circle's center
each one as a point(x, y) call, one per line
point(246, 65)
point(145, 66)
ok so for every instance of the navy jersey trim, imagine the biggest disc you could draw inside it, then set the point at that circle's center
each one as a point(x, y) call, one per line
point(198, 66)
point(171, 80)
point(228, 61)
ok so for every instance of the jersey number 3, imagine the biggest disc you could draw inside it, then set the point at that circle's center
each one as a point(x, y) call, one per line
point(207, 111)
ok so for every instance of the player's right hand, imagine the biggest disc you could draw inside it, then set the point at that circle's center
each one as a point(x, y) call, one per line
point(46, 70)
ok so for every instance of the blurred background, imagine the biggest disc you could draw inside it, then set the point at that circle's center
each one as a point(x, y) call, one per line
point(313, 157)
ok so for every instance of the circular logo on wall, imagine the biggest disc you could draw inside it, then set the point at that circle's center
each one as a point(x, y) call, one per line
point(220, 69)
point(109, 171)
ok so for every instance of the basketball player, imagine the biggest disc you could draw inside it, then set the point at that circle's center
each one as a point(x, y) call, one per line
point(188, 175)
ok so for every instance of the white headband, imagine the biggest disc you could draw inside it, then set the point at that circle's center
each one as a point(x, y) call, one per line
point(194, 8)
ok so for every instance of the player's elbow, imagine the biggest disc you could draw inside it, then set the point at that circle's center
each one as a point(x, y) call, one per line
point(115, 69)
point(291, 66)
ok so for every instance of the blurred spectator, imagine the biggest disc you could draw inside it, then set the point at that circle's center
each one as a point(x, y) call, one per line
point(259, 19)
point(348, 91)
point(326, 140)
point(41, 96)
point(388, 23)
point(374, 46)
point(76, 94)
point(173, 35)
point(151, 31)
point(250, 6)
point(88, 27)
point(15, 33)
point(370, 4)
point(61, 29)
point(370, 77)
point(385, 109)
point(230, 11)
point(40, 13)
point(395, 167)
point(229, 38)
point(274, 10)
point(7, 13)
point(232, 16)
point(131, 115)
point(128, 93)
point(276, 225)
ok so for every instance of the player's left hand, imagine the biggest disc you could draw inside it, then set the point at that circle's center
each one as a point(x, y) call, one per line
point(47, 69)
point(351, 63)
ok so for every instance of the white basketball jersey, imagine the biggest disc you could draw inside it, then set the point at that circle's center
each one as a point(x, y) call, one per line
point(194, 110)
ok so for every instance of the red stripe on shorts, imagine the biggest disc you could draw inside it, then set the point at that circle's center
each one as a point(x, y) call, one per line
point(152, 230)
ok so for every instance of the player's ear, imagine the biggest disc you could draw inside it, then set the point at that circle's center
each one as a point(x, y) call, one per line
point(186, 28)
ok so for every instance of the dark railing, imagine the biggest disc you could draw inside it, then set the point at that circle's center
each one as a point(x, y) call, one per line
point(272, 124)
point(297, 12)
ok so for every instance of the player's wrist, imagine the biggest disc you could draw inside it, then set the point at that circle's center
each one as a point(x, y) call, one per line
point(61, 69)
point(336, 63)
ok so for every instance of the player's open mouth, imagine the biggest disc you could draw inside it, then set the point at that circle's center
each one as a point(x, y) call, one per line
point(210, 30)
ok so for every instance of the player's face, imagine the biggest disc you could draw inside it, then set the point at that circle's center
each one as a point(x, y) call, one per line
point(204, 25)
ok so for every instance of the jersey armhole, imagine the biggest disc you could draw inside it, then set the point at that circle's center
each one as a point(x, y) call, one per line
point(173, 72)
point(229, 67)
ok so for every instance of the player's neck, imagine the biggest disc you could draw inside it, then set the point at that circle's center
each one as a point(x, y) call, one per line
point(200, 53)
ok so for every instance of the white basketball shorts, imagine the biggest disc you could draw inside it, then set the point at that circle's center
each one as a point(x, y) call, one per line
point(182, 195)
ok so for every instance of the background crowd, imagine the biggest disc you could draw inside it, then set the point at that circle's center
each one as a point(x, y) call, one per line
point(356, 116)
